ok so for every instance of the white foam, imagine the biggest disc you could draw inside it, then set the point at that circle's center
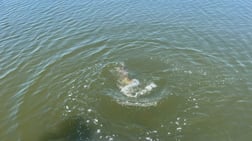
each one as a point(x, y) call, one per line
point(146, 89)
point(128, 90)
point(132, 89)
point(138, 104)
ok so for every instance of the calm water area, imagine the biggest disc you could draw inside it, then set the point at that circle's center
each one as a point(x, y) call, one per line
point(60, 66)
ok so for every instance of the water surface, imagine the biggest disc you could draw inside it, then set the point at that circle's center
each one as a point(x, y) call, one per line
point(57, 59)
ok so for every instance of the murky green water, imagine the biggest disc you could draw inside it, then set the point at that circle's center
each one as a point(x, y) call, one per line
point(57, 60)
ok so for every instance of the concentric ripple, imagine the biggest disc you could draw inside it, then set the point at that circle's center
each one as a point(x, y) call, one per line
point(189, 63)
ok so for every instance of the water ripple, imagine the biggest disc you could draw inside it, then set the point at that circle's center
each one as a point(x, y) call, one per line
point(56, 60)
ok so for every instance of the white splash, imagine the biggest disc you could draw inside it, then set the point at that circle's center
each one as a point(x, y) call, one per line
point(131, 87)
point(128, 90)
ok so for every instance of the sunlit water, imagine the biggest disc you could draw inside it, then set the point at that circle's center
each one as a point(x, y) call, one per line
point(57, 60)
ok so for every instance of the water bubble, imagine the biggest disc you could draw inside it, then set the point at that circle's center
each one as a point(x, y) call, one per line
point(179, 129)
point(89, 110)
point(188, 72)
point(67, 107)
point(148, 139)
point(70, 94)
point(109, 138)
point(98, 131)
point(177, 123)
point(95, 121)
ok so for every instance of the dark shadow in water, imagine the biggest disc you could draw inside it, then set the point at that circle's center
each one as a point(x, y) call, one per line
point(72, 129)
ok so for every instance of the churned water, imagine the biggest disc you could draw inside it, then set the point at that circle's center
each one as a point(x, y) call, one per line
point(191, 61)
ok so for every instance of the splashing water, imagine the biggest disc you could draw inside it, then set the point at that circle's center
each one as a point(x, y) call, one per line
point(131, 87)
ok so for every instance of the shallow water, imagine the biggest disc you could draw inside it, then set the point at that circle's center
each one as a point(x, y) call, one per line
point(56, 59)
